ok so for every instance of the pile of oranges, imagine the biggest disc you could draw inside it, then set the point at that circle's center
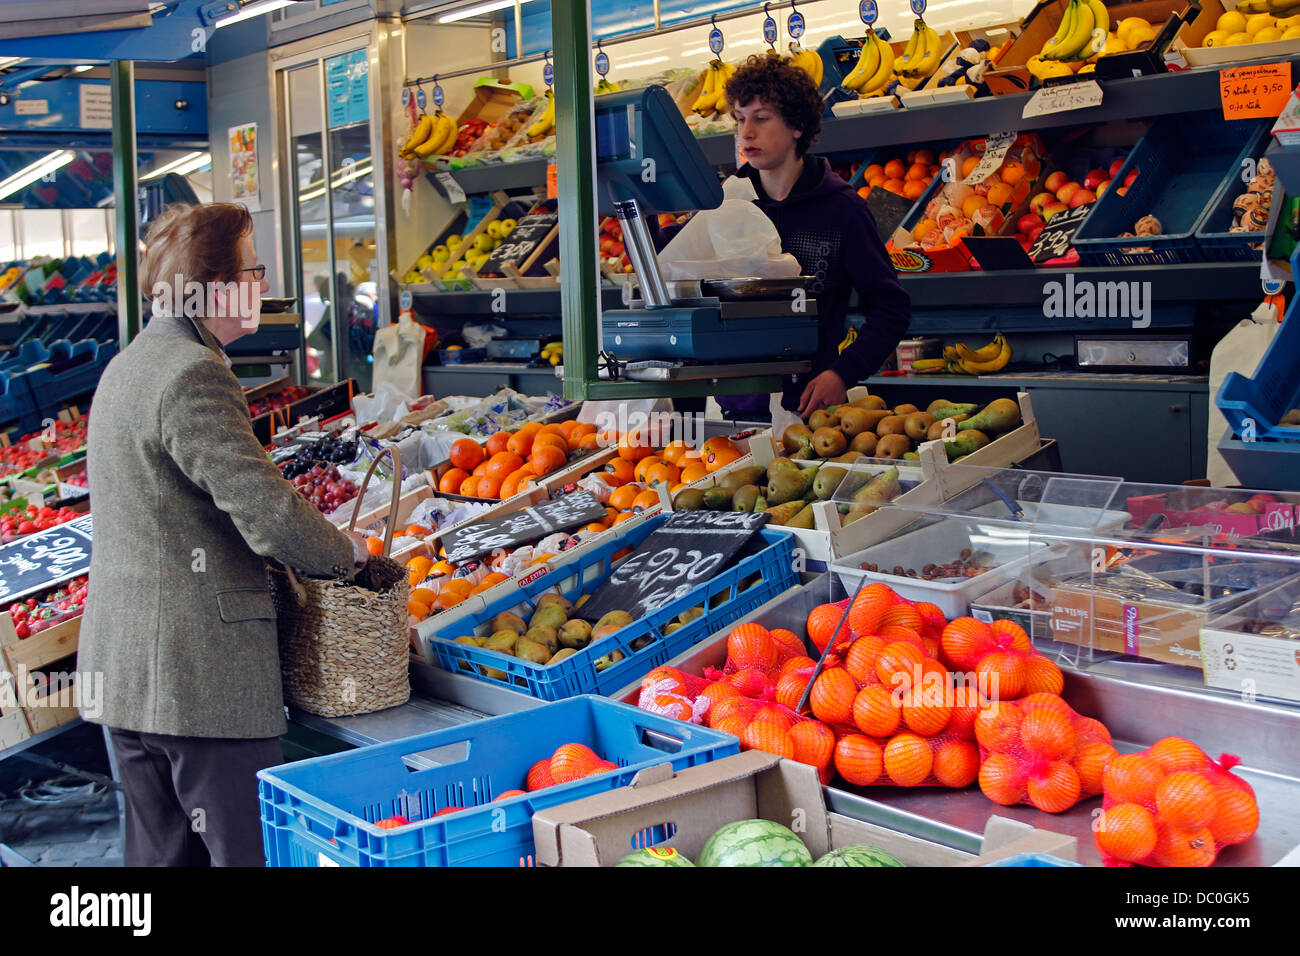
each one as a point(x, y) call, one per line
point(908, 179)
point(439, 585)
point(511, 462)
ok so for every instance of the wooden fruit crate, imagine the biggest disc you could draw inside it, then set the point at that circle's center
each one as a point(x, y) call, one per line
point(21, 657)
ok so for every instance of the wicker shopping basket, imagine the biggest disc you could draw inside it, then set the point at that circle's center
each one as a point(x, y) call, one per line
point(344, 645)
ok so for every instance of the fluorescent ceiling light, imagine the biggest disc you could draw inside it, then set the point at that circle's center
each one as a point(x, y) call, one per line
point(631, 63)
point(474, 11)
point(173, 166)
point(8, 61)
point(251, 10)
point(83, 68)
point(42, 167)
point(194, 165)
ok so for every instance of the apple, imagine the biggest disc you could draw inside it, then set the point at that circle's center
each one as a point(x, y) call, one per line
point(1116, 166)
point(1261, 502)
point(1025, 241)
point(1054, 208)
point(1033, 234)
point(1121, 190)
point(1128, 180)
point(1055, 181)
point(1069, 189)
point(1027, 222)
point(1102, 187)
point(981, 189)
point(1039, 201)
point(1094, 177)
point(1082, 197)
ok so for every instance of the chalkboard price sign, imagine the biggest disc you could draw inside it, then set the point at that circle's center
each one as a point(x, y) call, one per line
point(529, 233)
point(1055, 238)
point(40, 561)
point(685, 551)
point(512, 530)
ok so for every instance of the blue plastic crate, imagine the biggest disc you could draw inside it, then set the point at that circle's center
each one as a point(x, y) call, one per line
point(773, 564)
point(1212, 235)
point(1181, 161)
point(320, 812)
point(1033, 859)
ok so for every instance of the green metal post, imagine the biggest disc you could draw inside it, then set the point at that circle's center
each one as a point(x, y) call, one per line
point(575, 157)
point(122, 83)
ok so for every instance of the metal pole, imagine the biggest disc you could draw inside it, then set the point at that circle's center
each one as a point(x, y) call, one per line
point(575, 157)
point(122, 88)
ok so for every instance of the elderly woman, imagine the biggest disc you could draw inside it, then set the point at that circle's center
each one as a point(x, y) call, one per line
point(187, 507)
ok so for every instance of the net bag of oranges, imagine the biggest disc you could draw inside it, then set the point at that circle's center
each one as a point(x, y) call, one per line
point(1171, 805)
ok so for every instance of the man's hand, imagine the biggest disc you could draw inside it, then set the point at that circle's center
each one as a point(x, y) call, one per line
point(826, 389)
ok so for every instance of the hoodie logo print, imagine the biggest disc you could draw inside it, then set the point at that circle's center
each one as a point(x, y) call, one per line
point(818, 255)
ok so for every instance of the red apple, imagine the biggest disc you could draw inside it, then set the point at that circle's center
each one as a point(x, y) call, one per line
point(1025, 241)
point(1039, 201)
point(1094, 178)
point(1027, 222)
point(981, 189)
point(1055, 181)
point(1128, 180)
point(1068, 190)
point(1116, 166)
point(1053, 209)
point(1033, 234)
point(1082, 197)
point(1102, 187)
point(1121, 190)
point(1261, 502)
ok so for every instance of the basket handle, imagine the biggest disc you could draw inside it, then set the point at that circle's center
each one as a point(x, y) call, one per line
point(397, 493)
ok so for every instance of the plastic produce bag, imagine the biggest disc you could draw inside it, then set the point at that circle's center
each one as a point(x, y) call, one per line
point(387, 404)
point(735, 240)
point(398, 354)
point(478, 336)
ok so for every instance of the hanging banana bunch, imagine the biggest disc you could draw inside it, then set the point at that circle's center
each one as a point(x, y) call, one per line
point(432, 136)
point(807, 60)
point(545, 124)
point(921, 56)
point(874, 69)
point(713, 97)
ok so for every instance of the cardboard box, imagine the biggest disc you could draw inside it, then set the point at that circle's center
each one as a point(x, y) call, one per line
point(492, 100)
point(1192, 35)
point(600, 830)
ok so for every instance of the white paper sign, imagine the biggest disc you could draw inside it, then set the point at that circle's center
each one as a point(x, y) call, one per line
point(996, 148)
point(31, 107)
point(452, 188)
point(1063, 98)
point(96, 106)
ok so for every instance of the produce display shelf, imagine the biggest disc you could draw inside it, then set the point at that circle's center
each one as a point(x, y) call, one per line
point(522, 302)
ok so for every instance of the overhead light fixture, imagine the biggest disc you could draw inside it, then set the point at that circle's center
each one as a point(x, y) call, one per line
point(353, 172)
point(194, 165)
point(248, 11)
point(173, 166)
point(8, 61)
point(83, 68)
point(467, 12)
point(29, 174)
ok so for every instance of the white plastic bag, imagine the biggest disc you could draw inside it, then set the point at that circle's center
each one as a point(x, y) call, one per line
point(398, 352)
point(478, 336)
point(385, 405)
point(1238, 351)
point(734, 241)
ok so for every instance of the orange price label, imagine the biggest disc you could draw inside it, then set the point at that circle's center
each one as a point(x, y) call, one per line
point(552, 182)
point(1250, 92)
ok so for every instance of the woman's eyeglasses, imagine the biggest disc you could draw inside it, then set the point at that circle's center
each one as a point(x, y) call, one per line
point(259, 272)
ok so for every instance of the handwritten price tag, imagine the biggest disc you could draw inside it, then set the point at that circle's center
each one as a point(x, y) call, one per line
point(452, 188)
point(996, 147)
point(1249, 92)
point(1063, 98)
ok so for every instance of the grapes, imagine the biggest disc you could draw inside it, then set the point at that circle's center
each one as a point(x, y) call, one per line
point(325, 488)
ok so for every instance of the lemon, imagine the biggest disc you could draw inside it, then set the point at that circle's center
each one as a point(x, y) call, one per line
point(1139, 35)
point(1051, 68)
point(1231, 22)
point(1258, 21)
point(1113, 45)
point(1268, 35)
point(1237, 39)
point(1291, 33)
point(1127, 26)
point(1091, 67)
point(1215, 38)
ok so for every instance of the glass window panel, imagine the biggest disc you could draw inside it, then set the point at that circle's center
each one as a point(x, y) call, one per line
point(88, 232)
point(42, 232)
point(8, 248)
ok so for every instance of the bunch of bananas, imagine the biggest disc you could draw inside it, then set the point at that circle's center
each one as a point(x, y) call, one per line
point(432, 136)
point(875, 67)
point(713, 97)
point(544, 125)
point(605, 86)
point(553, 353)
point(1081, 35)
point(921, 57)
point(1281, 9)
point(967, 361)
point(809, 61)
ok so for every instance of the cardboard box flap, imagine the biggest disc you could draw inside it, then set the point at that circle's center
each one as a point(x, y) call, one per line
point(1035, 841)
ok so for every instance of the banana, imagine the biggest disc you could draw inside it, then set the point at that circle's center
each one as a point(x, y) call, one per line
point(865, 68)
point(928, 62)
point(443, 135)
point(903, 67)
point(985, 353)
point(1062, 31)
point(1252, 6)
point(884, 72)
point(708, 100)
point(1101, 21)
point(546, 123)
point(418, 136)
point(1278, 8)
point(925, 366)
point(995, 364)
point(1080, 35)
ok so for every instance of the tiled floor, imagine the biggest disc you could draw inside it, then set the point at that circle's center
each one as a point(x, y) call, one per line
point(83, 831)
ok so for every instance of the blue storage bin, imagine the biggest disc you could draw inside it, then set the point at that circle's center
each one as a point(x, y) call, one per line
point(16, 403)
point(1182, 161)
point(1212, 235)
point(577, 674)
point(1032, 859)
point(321, 812)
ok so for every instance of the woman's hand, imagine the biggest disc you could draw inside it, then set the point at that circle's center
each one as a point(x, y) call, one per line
point(826, 389)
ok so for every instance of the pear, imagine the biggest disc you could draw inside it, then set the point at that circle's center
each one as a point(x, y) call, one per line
point(744, 498)
point(795, 437)
point(882, 487)
point(690, 614)
point(689, 499)
point(741, 477)
point(999, 415)
point(917, 424)
point(561, 654)
point(508, 621)
point(864, 443)
point(503, 642)
point(718, 499)
point(609, 660)
point(782, 513)
point(548, 637)
point(804, 519)
point(829, 442)
point(530, 650)
point(620, 618)
point(827, 480)
point(781, 464)
point(869, 402)
point(823, 419)
point(965, 443)
point(575, 634)
point(673, 626)
point(548, 615)
point(563, 603)
point(782, 487)
point(472, 639)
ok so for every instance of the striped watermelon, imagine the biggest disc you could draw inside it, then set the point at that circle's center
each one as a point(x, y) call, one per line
point(859, 855)
point(652, 856)
point(754, 843)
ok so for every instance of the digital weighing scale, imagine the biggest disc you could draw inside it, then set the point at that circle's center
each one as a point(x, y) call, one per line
point(648, 162)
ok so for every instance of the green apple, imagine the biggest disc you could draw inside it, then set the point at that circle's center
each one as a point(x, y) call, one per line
point(424, 262)
point(454, 241)
point(483, 243)
point(507, 226)
point(494, 230)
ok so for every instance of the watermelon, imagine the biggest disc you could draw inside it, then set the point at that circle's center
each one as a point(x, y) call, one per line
point(650, 856)
point(754, 843)
point(859, 855)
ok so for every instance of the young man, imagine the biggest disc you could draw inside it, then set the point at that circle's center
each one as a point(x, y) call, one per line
point(823, 223)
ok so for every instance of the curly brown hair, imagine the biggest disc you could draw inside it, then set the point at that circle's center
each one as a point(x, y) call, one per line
point(786, 89)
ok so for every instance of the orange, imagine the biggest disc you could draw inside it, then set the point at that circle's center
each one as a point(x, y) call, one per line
point(465, 453)
point(923, 229)
point(804, 665)
point(732, 706)
point(768, 736)
point(1001, 779)
point(596, 526)
point(573, 762)
point(1090, 762)
point(788, 643)
point(869, 607)
point(539, 776)
point(479, 470)
point(895, 186)
point(956, 763)
point(618, 472)
point(551, 428)
point(1046, 734)
point(502, 464)
point(997, 728)
point(832, 696)
point(610, 514)
point(731, 725)
point(1001, 675)
point(1132, 778)
point(1013, 170)
point(634, 446)
point(1177, 753)
point(1236, 817)
point(642, 466)
point(552, 439)
point(1186, 800)
point(822, 621)
point(510, 487)
point(968, 164)
point(489, 487)
point(419, 565)
point(675, 451)
point(1126, 832)
point(493, 578)
point(924, 155)
point(902, 615)
point(971, 204)
point(416, 531)
point(447, 599)
point(925, 711)
point(859, 760)
point(897, 663)
point(521, 444)
point(861, 658)
point(662, 471)
point(583, 429)
point(532, 428)
point(896, 632)
point(1178, 847)
point(914, 188)
point(451, 480)
point(1045, 701)
point(894, 169)
point(999, 194)
point(588, 442)
point(1089, 729)
point(813, 742)
point(751, 645)
point(646, 499)
point(546, 458)
point(1010, 635)
point(1043, 676)
point(875, 169)
point(1055, 789)
point(875, 713)
point(417, 610)
point(877, 180)
point(966, 705)
point(624, 516)
point(908, 759)
point(790, 688)
point(623, 496)
point(423, 595)
point(498, 442)
point(443, 567)
point(916, 171)
point(721, 457)
point(717, 692)
point(693, 471)
point(375, 545)
point(964, 641)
